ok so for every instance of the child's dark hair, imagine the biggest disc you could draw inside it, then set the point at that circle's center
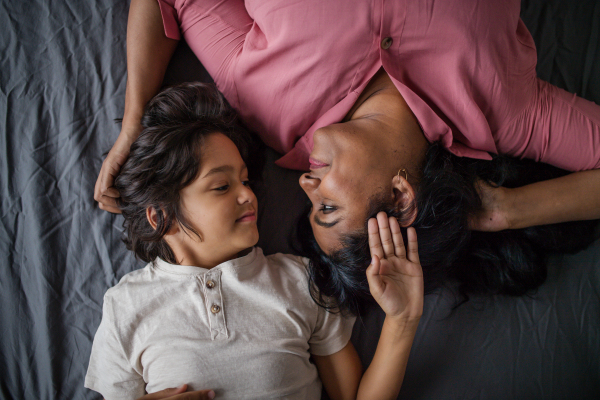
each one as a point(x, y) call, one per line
point(511, 262)
point(166, 158)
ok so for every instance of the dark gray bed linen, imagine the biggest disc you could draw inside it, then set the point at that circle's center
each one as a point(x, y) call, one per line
point(62, 83)
point(543, 346)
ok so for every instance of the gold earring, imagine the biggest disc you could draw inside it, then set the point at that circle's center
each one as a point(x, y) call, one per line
point(405, 173)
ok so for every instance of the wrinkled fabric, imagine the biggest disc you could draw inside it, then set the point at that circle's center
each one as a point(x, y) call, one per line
point(62, 84)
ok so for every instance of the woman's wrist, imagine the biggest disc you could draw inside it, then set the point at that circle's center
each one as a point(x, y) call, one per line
point(402, 326)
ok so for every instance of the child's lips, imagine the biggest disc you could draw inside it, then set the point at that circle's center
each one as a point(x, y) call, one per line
point(247, 217)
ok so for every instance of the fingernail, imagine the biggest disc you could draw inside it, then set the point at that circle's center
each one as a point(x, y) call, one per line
point(211, 395)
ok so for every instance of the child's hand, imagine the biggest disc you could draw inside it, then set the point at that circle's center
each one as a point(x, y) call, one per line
point(395, 277)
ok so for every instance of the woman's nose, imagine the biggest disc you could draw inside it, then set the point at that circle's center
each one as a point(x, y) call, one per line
point(308, 183)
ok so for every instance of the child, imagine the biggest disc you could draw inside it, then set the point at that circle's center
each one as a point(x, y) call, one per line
point(210, 310)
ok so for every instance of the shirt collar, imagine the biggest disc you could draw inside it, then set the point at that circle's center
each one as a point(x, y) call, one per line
point(164, 266)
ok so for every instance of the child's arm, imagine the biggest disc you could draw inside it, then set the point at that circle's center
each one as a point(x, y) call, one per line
point(396, 283)
point(340, 372)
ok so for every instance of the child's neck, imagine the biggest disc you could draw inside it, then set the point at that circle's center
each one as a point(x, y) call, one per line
point(192, 258)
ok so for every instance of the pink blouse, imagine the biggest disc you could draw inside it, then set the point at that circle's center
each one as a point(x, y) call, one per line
point(466, 68)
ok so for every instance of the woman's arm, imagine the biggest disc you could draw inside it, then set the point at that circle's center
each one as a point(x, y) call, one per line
point(572, 197)
point(148, 54)
point(396, 283)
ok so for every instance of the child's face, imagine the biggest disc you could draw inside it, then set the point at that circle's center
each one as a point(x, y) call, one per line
point(220, 205)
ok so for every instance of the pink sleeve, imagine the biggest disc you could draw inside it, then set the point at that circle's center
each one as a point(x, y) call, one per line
point(169, 17)
point(557, 128)
point(215, 30)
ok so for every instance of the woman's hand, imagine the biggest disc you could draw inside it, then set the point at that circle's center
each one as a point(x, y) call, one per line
point(148, 54)
point(395, 275)
point(180, 394)
point(494, 213)
point(104, 192)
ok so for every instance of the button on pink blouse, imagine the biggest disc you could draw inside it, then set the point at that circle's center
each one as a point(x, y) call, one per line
point(466, 68)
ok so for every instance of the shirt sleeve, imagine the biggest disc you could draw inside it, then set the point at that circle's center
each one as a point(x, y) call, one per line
point(215, 30)
point(557, 128)
point(109, 372)
point(332, 332)
point(169, 18)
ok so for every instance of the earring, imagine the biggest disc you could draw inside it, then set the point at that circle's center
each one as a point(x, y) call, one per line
point(405, 173)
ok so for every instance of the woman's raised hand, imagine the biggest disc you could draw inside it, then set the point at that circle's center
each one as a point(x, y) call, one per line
point(104, 192)
point(180, 394)
point(395, 275)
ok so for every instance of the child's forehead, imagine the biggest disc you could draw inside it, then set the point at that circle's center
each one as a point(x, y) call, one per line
point(220, 154)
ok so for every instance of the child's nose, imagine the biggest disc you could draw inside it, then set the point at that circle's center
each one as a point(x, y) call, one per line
point(246, 195)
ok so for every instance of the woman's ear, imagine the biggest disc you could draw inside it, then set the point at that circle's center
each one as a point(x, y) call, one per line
point(404, 200)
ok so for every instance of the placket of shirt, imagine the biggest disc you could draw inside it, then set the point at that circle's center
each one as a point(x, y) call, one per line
point(393, 17)
point(215, 306)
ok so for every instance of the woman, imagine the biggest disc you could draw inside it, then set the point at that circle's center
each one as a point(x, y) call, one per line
point(364, 102)
point(298, 74)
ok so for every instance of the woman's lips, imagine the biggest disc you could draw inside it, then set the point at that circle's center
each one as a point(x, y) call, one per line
point(247, 217)
point(315, 164)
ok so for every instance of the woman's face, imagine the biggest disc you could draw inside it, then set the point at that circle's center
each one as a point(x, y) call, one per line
point(355, 161)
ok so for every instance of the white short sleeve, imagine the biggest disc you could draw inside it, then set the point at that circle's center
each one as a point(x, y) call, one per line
point(331, 334)
point(109, 372)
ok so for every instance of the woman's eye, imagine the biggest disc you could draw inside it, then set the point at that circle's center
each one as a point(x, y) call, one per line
point(325, 209)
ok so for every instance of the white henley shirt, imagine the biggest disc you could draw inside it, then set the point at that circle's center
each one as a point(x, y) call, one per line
point(245, 328)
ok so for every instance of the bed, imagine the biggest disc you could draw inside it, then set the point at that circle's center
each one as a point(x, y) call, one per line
point(62, 85)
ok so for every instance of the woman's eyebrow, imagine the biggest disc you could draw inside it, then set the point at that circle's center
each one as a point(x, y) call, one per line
point(325, 224)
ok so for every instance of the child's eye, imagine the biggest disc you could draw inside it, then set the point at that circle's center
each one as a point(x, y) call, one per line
point(222, 188)
point(325, 209)
point(247, 183)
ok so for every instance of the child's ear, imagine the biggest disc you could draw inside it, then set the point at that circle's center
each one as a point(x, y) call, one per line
point(151, 216)
point(404, 200)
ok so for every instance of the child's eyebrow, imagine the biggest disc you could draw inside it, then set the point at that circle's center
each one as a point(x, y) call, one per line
point(222, 168)
point(216, 170)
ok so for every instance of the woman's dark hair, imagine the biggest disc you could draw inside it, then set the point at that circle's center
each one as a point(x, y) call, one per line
point(166, 158)
point(511, 262)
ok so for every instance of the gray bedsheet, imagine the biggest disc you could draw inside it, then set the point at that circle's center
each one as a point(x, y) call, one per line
point(62, 84)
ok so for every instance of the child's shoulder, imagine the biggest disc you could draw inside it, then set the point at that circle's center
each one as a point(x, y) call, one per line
point(291, 260)
point(288, 262)
point(132, 282)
